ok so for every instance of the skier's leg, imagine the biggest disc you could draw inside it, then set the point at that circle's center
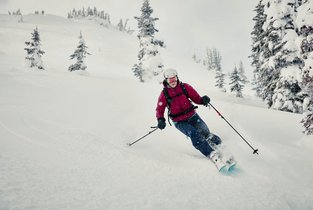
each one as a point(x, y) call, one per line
point(199, 124)
point(202, 128)
point(215, 139)
point(198, 140)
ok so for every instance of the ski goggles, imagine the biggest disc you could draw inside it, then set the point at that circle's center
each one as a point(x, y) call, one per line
point(172, 79)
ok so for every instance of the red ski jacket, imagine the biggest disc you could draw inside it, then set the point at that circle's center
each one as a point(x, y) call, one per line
point(180, 108)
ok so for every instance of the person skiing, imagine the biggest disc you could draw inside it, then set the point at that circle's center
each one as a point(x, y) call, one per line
point(176, 96)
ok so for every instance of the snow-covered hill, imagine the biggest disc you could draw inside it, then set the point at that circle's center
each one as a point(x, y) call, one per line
point(63, 136)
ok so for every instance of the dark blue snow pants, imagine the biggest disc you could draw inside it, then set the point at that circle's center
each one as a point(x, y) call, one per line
point(199, 133)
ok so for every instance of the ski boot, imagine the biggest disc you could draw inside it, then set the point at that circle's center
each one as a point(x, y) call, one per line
point(215, 157)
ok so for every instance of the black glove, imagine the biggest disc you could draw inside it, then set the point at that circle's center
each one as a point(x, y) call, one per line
point(205, 100)
point(161, 123)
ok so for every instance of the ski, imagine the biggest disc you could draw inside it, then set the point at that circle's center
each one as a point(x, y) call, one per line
point(222, 158)
point(225, 167)
point(231, 164)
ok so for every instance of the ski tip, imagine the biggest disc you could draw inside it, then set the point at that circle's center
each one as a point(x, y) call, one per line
point(223, 169)
point(229, 170)
point(232, 168)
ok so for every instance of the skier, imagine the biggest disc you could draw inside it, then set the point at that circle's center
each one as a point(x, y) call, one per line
point(175, 96)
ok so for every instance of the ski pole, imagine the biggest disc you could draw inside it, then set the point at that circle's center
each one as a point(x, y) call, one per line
point(155, 128)
point(255, 151)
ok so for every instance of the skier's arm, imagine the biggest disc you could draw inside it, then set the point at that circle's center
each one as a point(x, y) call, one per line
point(195, 97)
point(161, 106)
point(193, 94)
point(160, 111)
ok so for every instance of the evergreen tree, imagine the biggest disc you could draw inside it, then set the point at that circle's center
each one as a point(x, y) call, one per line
point(137, 69)
point(120, 25)
point(34, 52)
point(307, 120)
point(220, 80)
point(212, 59)
point(260, 54)
point(269, 73)
point(21, 20)
point(256, 86)
point(275, 55)
point(306, 49)
point(263, 72)
point(236, 84)
point(242, 73)
point(217, 59)
point(219, 76)
point(195, 58)
point(256, 49)
point(287, 91)
point(93, 13)
point(300, 2)
point(80, 54)
point(125, 25)
point(145, 21)
point(150, 62)
point(208, 61)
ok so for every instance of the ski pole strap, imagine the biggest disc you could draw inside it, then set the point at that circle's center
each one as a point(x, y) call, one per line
point(168, 118)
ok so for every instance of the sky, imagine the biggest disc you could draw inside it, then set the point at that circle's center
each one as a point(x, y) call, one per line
point(186, 27)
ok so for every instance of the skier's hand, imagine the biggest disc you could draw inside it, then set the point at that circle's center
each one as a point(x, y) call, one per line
point(161, 123)
point(205, 100)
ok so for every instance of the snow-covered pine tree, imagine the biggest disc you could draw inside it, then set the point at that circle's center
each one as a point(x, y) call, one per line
point(220, 79)
point(307, 85)
point(268, 74)
point(217, 59)
point(258, 37)
point(34, 53)
point(236, 84)
point(300, 2)
point(90, 12)
point(80, 54)
point(150, 62)
point(84, 13)
point(120, 25)
point(18, 12)
point(242, 73)
point(212, 59)
point(287, 60)
point(219, 76)
point(256, 86)
point(21, 20)
point(275, 55)
point(208, 60)
point(137, 69)
point(304, 24)
point(195, 58)
point(123, 26)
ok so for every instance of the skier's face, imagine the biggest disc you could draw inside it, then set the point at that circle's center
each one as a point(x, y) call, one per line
point(172, 81)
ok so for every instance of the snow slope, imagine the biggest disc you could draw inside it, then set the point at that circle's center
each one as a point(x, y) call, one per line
point(63, 136)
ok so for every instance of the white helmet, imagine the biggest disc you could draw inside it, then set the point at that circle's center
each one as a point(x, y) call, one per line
point(169, 73)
